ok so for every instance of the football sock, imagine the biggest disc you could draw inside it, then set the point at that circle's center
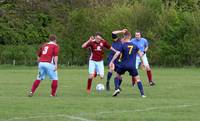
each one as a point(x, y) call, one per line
point(89, 83)
point(116, 83)
point(120, 82)
point(35, 85)
point(140, 87)
point(54, 86)
point(95, 74)
point(109, 75)
point(149, 74)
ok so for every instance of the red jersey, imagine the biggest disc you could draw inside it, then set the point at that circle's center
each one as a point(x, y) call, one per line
point(97, 49)
point(48, 51)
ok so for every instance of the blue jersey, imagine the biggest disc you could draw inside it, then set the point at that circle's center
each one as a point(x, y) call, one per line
point(117, 45)
point(129, 52)
point(128, 60)
point(142, 43)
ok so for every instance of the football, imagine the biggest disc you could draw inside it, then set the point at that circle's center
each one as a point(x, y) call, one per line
point(100, 87)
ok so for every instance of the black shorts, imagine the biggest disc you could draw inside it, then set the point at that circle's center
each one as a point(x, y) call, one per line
point(131, 69)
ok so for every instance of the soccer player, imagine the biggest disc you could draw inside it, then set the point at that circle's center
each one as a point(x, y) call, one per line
point(116, 45)
point(129, 52)
point(96, 45)
point(47, 65)
point(142, 44)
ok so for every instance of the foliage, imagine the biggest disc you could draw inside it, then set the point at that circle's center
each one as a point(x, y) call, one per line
point(172, 28)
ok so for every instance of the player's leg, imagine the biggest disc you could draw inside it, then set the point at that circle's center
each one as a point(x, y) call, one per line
point(136, 78)
point(148, 70)
point(137, 64)
point(53, 75)
point(41, 76)
point(140, 86)
point(117, 84)
point(91, 75)
point(109, 75)
point(100, 68)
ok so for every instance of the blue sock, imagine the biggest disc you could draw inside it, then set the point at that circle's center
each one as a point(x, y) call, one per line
point(140, 87)
point(109, 75)
point(120, 82)
point(116, 83)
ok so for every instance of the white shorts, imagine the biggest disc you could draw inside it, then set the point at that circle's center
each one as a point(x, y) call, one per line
point(138, 61)
point(47, 69)
point(96, 66)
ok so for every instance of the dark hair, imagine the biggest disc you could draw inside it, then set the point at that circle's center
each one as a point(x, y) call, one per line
point(98, 34)
point(52, 37)
point(138, 32)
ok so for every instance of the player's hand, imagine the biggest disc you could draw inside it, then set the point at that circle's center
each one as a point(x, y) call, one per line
point(125, 30)
point(91, 38)
point(56, 67)
point(112, 66)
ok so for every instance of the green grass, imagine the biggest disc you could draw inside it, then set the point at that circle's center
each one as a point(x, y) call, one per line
point(176, 97)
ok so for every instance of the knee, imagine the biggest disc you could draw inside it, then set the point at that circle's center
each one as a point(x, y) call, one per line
point(91, 76)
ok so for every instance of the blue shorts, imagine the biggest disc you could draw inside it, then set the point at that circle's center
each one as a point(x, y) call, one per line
point(122, 69)
point(47, 69)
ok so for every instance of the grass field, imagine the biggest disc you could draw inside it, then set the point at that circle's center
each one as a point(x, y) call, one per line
point(176, 97)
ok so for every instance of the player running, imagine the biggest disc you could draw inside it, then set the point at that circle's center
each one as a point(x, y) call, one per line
point(97, 45)
point(129, 52)
point(47, 65)
point(142, 44)
point(116, 45)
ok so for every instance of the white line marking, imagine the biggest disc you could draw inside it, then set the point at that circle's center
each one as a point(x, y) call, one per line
point(50, 116)
point(141, 110)
point(99, 113)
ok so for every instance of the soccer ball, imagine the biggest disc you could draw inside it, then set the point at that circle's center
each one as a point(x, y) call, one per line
point(100, 87)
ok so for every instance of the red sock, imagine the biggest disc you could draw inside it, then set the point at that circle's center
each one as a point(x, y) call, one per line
point(133, 81)
point(149, 74)
point(54, 86)
point(95, 74)
point(35, 85)
point(89, 83)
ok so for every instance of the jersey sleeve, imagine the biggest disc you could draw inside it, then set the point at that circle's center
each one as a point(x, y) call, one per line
point(56, 50)
point(146, 43)
point(88, 45)
point(107, 45)
point(114, 36)
point(39, 53)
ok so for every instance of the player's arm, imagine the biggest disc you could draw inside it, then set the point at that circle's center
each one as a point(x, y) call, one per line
point(140, 54)
point(117, 53)
point(146, 46)
point(85, 45)
point(56, 62)
point(55, 58)
point(119, 31)
point(39, 53)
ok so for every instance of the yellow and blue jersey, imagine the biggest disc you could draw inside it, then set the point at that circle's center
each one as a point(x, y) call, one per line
point(117, 45)
point(128, 59)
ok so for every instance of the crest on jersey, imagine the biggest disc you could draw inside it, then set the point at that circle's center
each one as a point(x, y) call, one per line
point(101, 44)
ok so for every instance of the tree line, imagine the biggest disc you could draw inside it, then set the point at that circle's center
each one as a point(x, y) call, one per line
point(171, 26)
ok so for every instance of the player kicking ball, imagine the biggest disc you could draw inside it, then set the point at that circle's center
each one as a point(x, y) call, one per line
point(129, 52)
point(47, 65)
point(96, 44)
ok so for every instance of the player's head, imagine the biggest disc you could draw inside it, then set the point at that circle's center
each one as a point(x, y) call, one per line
point(127, 35)
point(138, 35)
point(98, 37)
point(52, 38)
